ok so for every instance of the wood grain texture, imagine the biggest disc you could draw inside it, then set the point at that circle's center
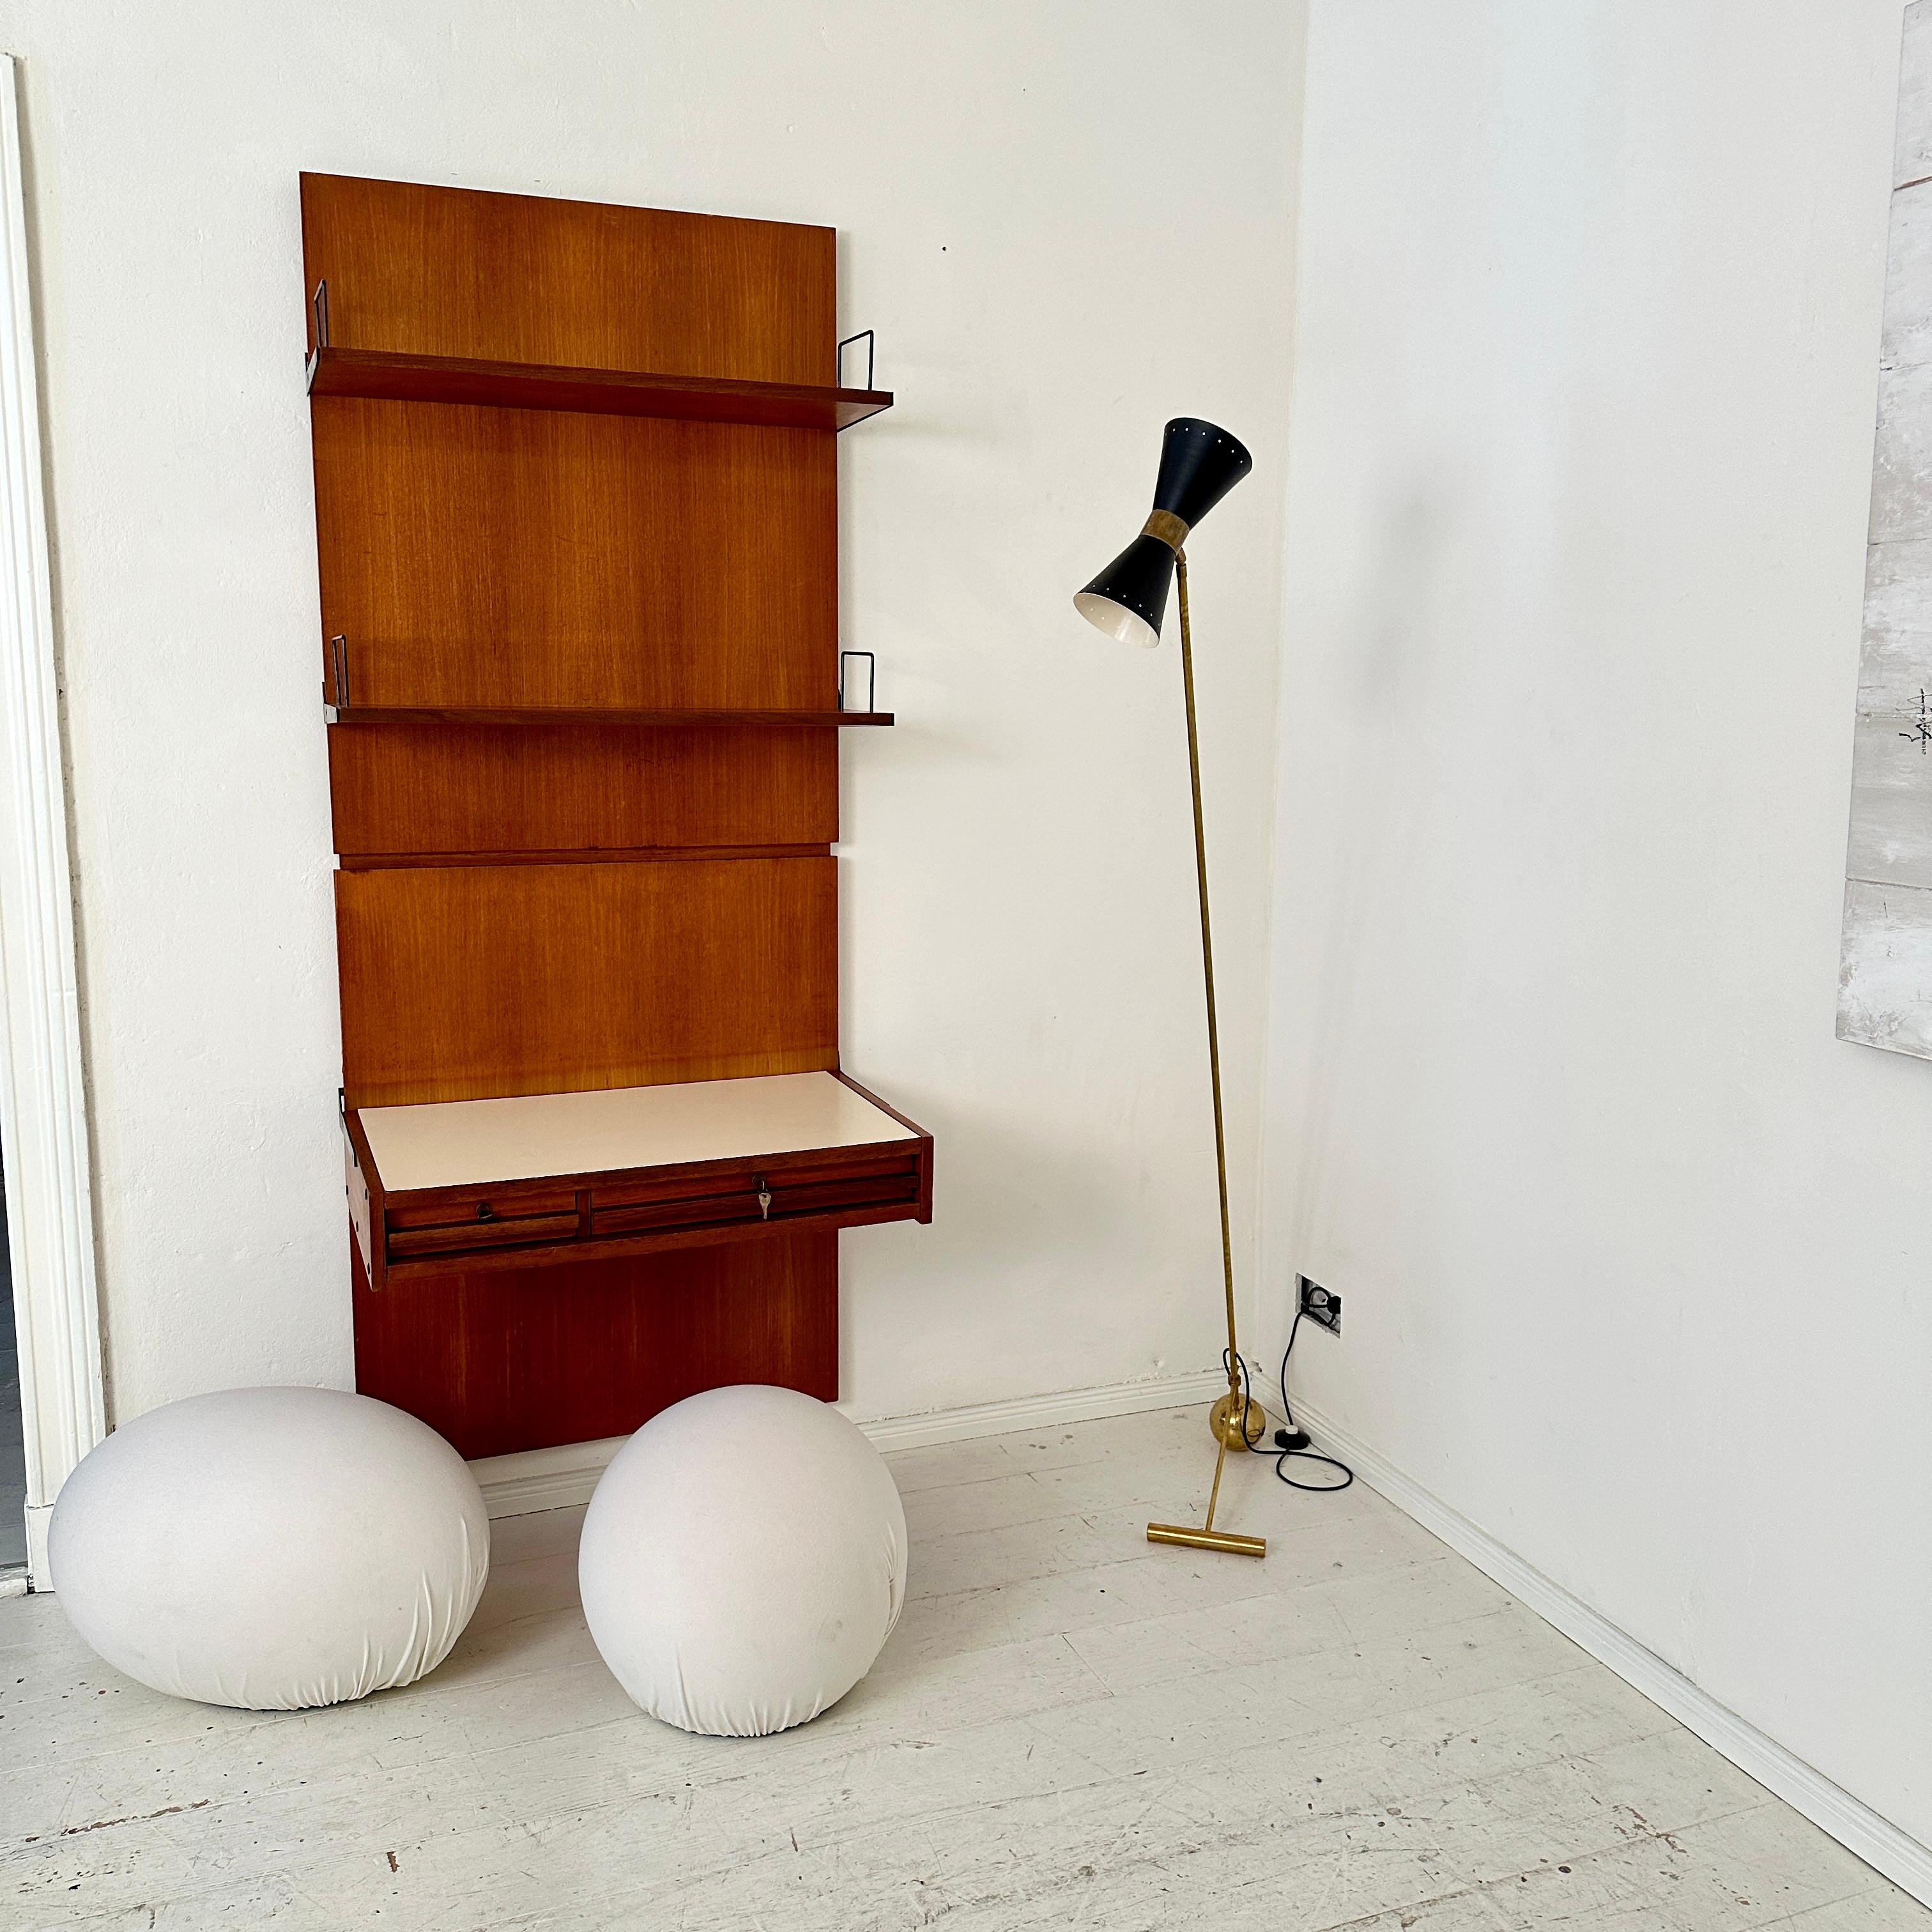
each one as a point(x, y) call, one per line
point(475, 982)
point(427, 271)
point(481, 788)
point(620, 392)
point(478, 557)
point(496, 1362)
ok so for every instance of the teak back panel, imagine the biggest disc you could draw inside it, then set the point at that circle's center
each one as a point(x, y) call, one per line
point(485, 789)
point(521, 278)
point(474, 557)
point(469, 982)
point(497, 1363)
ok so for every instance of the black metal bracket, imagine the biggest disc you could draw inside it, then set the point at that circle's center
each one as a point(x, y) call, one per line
point(318, 308)
point(871, 681)
point(338, 653)
point(864, 335)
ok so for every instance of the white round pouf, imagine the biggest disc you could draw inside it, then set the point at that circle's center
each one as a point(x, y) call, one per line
point(743, 1561)
point(272, 1548)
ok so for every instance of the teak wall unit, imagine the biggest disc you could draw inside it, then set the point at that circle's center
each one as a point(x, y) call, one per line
point(576, 523)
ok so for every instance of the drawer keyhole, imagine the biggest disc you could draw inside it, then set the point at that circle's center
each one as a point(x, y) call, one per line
point(484, 1212)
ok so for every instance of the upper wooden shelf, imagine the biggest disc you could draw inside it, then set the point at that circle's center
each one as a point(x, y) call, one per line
point(386, 376)
point(556, 714)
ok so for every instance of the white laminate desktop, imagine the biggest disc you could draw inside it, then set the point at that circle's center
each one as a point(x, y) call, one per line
point(467, 1143)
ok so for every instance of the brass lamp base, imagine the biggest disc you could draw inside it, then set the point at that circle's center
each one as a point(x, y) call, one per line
point(1238, 1430)
point(1237, 1422)
point(1223, 1540)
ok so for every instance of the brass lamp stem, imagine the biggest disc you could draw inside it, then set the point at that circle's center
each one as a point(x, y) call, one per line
point(1237, 1422)
point(1208, 969)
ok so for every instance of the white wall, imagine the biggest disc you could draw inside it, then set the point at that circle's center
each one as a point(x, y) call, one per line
point(1636, 1258)
point(1048, 285)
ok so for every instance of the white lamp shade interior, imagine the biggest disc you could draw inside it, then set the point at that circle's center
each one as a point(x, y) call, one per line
point(1116, 619)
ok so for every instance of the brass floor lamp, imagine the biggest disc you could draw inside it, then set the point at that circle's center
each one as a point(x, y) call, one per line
point(1199, 464)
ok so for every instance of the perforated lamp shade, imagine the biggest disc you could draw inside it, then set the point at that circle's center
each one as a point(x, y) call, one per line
point(1199, 464)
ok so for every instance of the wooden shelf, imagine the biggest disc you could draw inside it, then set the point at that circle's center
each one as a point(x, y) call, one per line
point(383, 375)
point(450, 1187)
point(552, 714)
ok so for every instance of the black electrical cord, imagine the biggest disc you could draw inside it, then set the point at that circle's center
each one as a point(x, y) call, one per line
point(1291, 1444)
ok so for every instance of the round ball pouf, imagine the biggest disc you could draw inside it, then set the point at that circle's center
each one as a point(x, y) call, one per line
point(743, 1561)
point(271, 1548)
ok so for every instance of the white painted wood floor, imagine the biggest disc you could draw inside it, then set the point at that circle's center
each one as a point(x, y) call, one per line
point(1069, 1728)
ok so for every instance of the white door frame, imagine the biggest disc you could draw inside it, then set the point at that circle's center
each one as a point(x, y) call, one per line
point(43, 1101)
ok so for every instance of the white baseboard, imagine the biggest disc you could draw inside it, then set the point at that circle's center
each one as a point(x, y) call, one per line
point(1855, 1825)
point(1041, 1412)
point(563, 1478)
point(544, 1479)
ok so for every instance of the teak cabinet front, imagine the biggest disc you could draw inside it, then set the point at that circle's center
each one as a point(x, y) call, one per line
point(547, 905)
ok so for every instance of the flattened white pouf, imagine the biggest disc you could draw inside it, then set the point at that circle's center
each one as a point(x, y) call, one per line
point(272, 1548)
point(743, 1561)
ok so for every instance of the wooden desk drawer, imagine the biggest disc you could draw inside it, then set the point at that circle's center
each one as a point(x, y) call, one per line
point(502, 1218)
point(857, 1181)
point(469, 1235)
point(514, 1201)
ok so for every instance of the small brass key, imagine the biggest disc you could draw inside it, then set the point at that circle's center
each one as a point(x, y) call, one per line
point(764, 1201)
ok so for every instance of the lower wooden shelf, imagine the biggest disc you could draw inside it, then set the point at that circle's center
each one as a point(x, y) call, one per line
point(453, 1187)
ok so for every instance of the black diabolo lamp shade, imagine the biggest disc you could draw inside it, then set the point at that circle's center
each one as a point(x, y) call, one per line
point(1199, 464)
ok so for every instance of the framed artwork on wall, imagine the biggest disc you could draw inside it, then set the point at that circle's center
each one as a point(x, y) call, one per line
point(1885, 980)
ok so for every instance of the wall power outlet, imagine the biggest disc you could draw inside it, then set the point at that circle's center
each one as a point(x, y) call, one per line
point(1321, 1307)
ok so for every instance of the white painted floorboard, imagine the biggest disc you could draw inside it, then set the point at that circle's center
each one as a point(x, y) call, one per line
point(1069, 1728)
